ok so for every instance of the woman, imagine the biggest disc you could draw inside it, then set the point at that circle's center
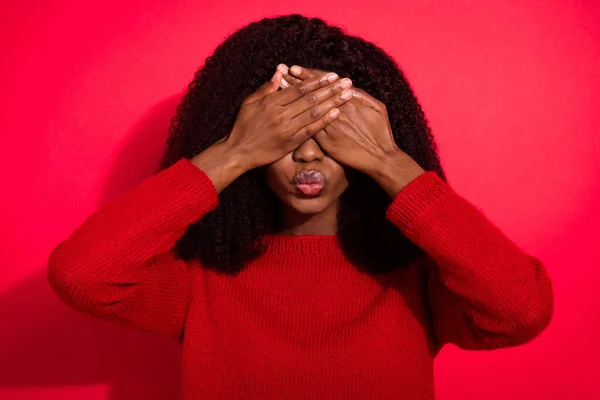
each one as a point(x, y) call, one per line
point(300, 243)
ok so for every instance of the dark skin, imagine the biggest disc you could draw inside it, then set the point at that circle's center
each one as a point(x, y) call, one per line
point(318, 215)
point(360, 138)
point(270, 124)
point(287, 130)
point(301, 216)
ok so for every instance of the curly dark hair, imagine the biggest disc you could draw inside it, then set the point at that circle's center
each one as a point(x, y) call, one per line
point(228, 237)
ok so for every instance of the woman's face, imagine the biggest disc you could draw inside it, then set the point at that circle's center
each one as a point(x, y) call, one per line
point(309, 157)
point(282, 178)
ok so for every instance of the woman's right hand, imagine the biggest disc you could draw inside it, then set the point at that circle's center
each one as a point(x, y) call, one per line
point(272, 123)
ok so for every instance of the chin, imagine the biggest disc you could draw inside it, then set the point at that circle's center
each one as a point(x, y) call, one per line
point(309, 206)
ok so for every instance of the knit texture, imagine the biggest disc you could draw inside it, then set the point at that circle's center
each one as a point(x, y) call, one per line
point(301, 322)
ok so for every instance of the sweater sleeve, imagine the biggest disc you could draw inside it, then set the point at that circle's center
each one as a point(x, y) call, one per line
point(484, 292)
point(119, 265)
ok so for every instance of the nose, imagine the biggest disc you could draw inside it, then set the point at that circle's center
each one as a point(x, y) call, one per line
point(309, 151)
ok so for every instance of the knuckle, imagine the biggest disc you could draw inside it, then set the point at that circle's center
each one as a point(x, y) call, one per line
point(312, 98)
point(306, 131)
point(301, 88)
point(283, 133)
point(315, 113)
point(278, 118)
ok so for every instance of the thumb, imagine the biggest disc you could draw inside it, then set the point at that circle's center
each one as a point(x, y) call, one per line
point(265, 89)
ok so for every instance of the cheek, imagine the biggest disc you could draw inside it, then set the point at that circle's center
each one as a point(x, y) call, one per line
point(341, 179)
point(275, 177)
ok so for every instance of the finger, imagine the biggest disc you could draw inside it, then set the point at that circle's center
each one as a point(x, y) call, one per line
point(266, 88)
point(310, 101)
point(303, 88)
point(287, 78)
point(284, 71)
point(321, 136)
point(290, 80)
point(309, 116)
point(301, 73)
point(317, 126)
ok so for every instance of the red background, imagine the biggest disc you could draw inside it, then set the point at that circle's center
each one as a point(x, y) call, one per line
point(512, 92)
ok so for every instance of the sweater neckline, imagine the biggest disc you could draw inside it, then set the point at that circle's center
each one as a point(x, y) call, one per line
point(302, 244)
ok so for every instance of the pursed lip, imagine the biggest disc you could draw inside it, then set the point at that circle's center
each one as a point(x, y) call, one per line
point(308, 176)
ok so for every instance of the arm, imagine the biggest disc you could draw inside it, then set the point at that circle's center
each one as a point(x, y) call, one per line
point(118, 265)
point(484, 292)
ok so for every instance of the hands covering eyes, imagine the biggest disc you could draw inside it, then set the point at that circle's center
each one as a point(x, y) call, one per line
point(272, 123)
point(350, 125)
point(361, 136)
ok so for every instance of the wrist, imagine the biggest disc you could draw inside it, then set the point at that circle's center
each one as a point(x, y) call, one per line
point(396, 171)
point(237, 157)
point(233, 157)
point(220, 163)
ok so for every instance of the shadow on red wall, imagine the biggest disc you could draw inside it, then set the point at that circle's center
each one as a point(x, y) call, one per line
point(45, 343)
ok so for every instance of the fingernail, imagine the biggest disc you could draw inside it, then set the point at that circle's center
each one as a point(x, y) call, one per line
point(332, 77)
point(283, 68)
point(334, 113)
point(346, 94)
point(274, 77)
point(346, 83)
point(296, 70)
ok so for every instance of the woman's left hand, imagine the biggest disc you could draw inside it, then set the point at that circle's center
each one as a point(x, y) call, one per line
point(361, 137)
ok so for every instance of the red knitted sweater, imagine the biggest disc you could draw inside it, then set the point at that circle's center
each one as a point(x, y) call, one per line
point(301, 322)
